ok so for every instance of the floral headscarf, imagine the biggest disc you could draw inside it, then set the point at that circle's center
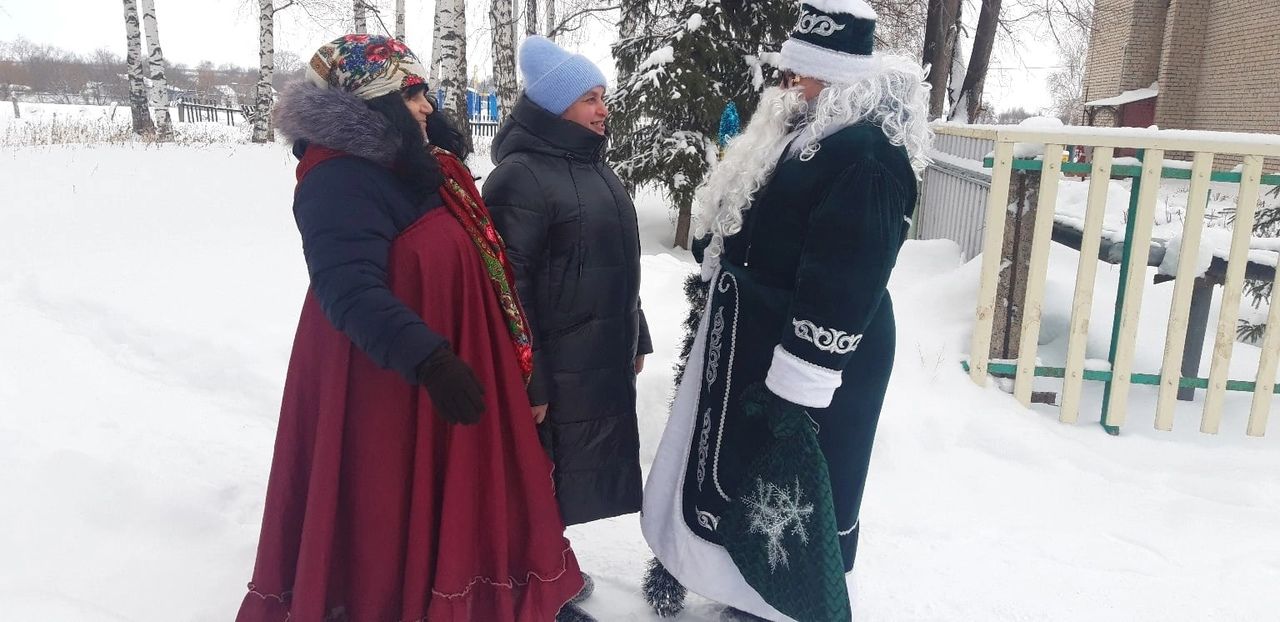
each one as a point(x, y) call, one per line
point(366, 66)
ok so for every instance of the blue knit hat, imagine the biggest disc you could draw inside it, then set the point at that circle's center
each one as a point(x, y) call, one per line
point(554, 78)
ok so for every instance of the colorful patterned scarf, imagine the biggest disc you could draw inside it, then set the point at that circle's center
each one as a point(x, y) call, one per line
point(461, 197)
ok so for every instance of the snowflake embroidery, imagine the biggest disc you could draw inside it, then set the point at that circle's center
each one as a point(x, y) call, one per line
point(775, 511)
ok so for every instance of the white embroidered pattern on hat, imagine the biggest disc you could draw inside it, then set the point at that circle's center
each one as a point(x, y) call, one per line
point(819, 25)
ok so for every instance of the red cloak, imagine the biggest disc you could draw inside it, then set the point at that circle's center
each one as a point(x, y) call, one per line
point(379, 511)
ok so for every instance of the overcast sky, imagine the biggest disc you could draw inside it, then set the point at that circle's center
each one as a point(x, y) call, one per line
point(225, 31)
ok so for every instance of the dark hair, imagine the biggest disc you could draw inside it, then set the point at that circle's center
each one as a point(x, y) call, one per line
point(414, 163)
point(444, 134)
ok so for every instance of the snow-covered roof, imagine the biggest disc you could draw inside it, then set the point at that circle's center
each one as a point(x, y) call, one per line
point(1127, 97)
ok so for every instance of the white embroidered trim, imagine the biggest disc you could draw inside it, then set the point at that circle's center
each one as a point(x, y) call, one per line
point(849, 530)
point(713, 353)
point(797, 380)
point(707, 519)
point(704, 447)
point(826, 339)
point(819, 25)
point(723, 286)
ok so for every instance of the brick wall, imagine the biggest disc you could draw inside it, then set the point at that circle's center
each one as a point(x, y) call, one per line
point(1146, 40)
point(1180, 62)
point(1239, 86)
point(1107, 43)
point(1124, 50)
point(1221, 68)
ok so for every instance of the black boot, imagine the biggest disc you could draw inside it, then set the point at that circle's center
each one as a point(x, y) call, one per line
point(663, 592)
point(573, 613)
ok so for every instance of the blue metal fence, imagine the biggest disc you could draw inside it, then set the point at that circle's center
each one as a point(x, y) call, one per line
point(480, 106)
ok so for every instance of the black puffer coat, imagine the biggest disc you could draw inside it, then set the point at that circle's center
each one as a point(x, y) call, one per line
point(571, 233)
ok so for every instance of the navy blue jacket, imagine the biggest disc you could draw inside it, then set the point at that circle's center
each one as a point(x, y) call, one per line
point(349, 210)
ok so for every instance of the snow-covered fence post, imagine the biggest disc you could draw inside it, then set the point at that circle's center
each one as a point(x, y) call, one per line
point(992, 244)
point(1233, 287)
point(1133, 273)
point(8, 92)
point(1086, 277)
point(1015, 255)
point(1041, 213)
point(1264, 388)
point(1185, 286)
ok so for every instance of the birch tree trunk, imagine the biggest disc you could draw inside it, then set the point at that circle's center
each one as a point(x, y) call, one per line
point(262, 99)
point(501, 15)
point(451, 18)
point(438, 27)
point(551, 19)
point(137, 87)
point(358, 12)
point(530, 17)
point(159, 85)
point(400, 19)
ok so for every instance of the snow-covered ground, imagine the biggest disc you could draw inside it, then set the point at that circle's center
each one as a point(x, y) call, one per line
point(148, 298)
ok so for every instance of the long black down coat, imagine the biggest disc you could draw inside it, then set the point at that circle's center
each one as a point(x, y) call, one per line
point(571, 234)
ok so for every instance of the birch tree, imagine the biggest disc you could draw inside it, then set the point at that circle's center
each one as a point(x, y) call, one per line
point(262, 99)
point(530, 17)
point(358, 12)
point(451, 33)
point(501, 15)
point(551, 19)
point(400, 19)
point(438, 29)
point(159, 85)
point(137, 87)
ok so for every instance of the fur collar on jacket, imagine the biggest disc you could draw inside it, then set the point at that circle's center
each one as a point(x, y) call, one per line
point(337, 120)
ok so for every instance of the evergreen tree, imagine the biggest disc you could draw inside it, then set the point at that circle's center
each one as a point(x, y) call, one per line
point(1266, 224)
point(679, 64)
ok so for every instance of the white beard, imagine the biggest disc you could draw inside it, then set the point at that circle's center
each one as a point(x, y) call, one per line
point(747, 165)
point(894, 97)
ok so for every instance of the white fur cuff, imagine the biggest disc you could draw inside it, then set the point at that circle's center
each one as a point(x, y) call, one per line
point(797, 380)
point(806, 59)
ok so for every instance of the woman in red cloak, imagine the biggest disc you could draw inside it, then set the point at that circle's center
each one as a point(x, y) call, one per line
point(408, 482)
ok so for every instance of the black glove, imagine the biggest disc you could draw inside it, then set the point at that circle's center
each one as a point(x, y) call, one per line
point(454, 390)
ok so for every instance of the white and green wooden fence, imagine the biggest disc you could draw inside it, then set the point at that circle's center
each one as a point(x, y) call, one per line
point(1152, 146)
